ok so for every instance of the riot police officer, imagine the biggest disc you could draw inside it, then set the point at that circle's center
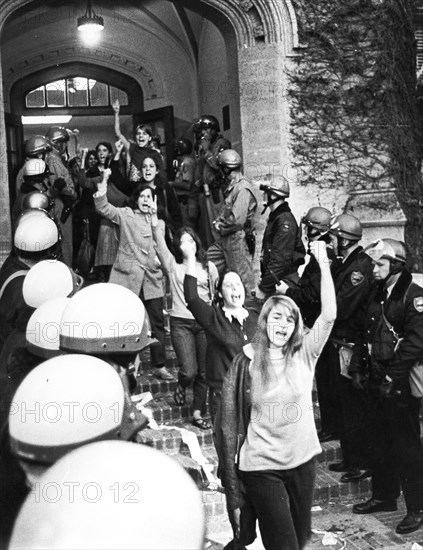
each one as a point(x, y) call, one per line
point(341, 403)
point(392, 344)
point(282, 248)
point(306, 294)
point(236, 218)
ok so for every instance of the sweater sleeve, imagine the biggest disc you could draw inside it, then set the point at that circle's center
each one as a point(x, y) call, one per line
point(165, 256)
point(106, 209)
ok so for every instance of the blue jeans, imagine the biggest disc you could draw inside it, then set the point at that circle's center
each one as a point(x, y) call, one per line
point(282, 500)
point(190, 345)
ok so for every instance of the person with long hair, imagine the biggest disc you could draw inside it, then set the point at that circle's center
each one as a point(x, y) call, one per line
point(265, 429)
point(187, 335)
point(167, 200)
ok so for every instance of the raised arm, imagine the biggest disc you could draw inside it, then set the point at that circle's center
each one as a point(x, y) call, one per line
point(102, 205)
point(165, 256)
point(119, 135)
point(327, 288)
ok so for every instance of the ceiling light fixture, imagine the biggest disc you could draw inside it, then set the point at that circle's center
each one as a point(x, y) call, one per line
point(90, 24)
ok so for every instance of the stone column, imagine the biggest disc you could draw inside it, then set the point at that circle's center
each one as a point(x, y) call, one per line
point(5, 226)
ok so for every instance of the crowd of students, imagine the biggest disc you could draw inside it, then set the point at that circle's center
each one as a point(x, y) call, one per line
point(249, 346)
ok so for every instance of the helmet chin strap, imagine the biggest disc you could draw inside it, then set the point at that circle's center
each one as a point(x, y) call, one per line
point(270, 201)
point(347, 246)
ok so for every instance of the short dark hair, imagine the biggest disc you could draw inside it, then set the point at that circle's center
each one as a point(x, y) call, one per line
point(218, 299)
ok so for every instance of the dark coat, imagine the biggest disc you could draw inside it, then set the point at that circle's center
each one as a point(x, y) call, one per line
point(225, 339)
point(307, 293)
point(353, 280)
point(282, 249)
point(404, 311)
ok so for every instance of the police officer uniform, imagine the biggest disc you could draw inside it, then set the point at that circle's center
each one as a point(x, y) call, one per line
point(392, 344)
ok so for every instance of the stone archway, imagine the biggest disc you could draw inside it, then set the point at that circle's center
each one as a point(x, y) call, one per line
point(261, 36)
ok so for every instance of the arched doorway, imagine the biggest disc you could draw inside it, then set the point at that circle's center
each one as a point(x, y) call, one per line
point(230, 55)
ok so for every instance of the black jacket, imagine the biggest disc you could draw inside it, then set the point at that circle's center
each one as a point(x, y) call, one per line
point(404, 311)
point(353, 280)
point(307, 293)
point(282, 249)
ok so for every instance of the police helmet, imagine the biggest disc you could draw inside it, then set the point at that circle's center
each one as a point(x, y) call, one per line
point(276, 185)
point(104, 318)
point(65, 402)
point(43, 328)
point(318, 218)
point(390, 249)
point(110, 492)
point(208, 121)
point(36, 145)
point(36, 199)
point(49, 279)
point(183, 146)
point(347, 226)
point(36, 234)
point(229, 158)
point(34, 168)
point(57, 134)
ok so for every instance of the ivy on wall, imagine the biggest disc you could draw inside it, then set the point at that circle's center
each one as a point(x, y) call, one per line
point(355, 121)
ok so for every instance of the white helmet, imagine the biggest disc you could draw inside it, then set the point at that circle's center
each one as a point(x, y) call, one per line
point(36, 235)
point(103, 318)
point(34, 167)
point(49, 279)
point(43, 328)
point(107, 495)
point(64, 403)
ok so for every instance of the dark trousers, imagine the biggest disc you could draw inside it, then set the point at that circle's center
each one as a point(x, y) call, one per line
point(154, 310)
point(354, 414)
point(327, 372)
point(190, 345)
point(282, 500)
point(397, 454)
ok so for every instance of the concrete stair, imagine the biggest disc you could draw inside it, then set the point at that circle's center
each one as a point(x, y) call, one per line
point(171, 418)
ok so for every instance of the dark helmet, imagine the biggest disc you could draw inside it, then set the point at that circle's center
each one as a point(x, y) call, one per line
point(57, 134)
point(183, 147)
point(347, 227)
point(36, 199)
point(318, 218)
point(208, 121)
point(229, 158)
point(37, 144)
point(389, 249)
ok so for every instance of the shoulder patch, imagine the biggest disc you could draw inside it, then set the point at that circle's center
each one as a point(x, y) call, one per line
point(286, 226)
point(418, 304)
point(356, 278)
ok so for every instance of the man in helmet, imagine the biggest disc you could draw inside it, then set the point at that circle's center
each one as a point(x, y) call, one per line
point(35, 183)
point(230, 251)
point(343, 406)
point(36, 238)
point(306, 293)
point(207, 193)
point(282, 248)
point(62, 404)
point(392, 344)
point(64, 188)
point(184, 177)
point(36, 147)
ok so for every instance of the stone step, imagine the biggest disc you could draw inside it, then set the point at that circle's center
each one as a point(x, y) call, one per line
point(327, 488)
